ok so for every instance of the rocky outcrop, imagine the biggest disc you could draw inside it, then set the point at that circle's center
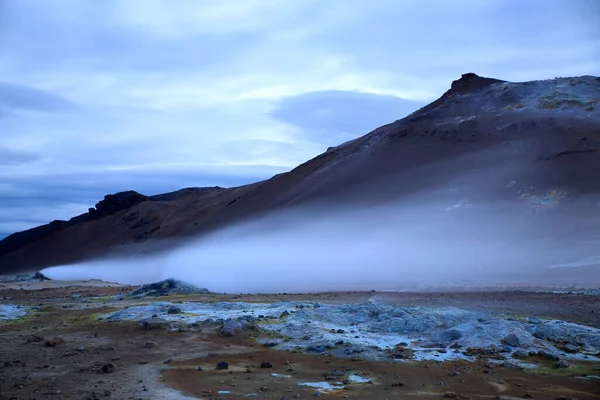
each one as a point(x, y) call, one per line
point(165, 288)
point(113, 203)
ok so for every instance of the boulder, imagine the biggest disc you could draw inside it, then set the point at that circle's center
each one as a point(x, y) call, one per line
point(231, 326)
point(512, 340)
point(571, 348)
point(222, 365)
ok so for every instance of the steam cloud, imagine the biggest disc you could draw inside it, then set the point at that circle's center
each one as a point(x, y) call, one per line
point(390, 246)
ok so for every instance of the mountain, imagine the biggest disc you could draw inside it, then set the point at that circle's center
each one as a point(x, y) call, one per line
point(530, 148)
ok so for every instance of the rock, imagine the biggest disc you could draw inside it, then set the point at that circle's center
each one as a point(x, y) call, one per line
point(318, 349)
point(534, 320)
point(173, 310)
point(340, 331)
point(451, 335)
point(149, 345)
point(230, 327)
point(571, 348)
point(107, 368)
point(198, 368)
point(169, 361)
point(520, 354)
point(512, 340)
point(222, 365)
point(41, 277)
point(166, 287)
point(80, 349)
point(266, 364)
point(549, 356)
point(562, 364)
point(450, 395)
point(34, 339)
point(54, 342)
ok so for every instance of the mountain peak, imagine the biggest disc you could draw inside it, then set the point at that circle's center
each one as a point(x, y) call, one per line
point(471, 81)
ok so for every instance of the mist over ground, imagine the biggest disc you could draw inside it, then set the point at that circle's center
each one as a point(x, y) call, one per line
point(392, 246)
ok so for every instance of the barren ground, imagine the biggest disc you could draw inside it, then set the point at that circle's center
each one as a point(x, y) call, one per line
point(99, 359)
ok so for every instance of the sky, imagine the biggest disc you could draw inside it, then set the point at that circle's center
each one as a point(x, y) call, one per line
point(101, 96)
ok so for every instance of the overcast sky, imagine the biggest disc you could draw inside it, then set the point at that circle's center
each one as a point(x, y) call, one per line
point(101, 96)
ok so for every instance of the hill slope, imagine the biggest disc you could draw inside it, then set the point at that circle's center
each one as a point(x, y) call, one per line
point(524, 147)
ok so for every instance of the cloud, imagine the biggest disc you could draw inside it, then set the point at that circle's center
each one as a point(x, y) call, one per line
point(334, 117)
point(14, 157)
point(21, 97)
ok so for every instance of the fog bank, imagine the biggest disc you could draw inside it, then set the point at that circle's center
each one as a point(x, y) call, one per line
point(392, 246)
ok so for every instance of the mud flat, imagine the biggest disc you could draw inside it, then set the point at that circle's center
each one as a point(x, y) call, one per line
point(102, 343)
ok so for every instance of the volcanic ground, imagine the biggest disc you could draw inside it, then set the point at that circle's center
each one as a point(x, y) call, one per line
point(93, 339)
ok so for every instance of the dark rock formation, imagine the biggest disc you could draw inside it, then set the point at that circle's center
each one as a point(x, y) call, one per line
point(165, 288)
point(113, 203)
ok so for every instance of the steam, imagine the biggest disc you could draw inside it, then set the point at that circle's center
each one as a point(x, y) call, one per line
point(466, 227)
point(390, 246)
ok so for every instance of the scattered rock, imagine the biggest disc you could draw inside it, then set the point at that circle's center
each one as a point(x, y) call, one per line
point(149, 345)
point(562, 364)
point(549, 356)
point(520, 354)
point(512, 340)
point(451, 335)
point(450, 395)
point(571, 348)
point(222, 365)
point(199, 368)
point(266, 364)
point(55, 341)
point(107, 368)
point(34, 339)
point(230, 327)
point(173, 310)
